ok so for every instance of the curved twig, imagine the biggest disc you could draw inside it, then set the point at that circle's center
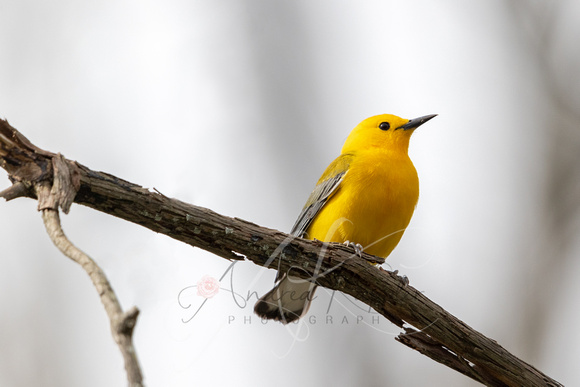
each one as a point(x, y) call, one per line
point(122, 324)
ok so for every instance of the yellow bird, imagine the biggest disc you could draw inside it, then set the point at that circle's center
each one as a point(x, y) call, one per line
point(365, 198)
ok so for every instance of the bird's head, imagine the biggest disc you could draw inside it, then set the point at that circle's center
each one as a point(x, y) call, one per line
point(384, 131)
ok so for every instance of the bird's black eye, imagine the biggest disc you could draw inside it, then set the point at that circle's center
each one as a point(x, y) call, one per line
point(384, 126)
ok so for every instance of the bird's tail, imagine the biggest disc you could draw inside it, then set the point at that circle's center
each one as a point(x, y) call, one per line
point(288, 301)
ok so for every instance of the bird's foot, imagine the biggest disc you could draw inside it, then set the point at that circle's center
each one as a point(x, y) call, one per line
point(403, 278)
point(358, 249)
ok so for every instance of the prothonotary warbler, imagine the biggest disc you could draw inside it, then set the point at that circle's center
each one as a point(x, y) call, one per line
point(365, 197)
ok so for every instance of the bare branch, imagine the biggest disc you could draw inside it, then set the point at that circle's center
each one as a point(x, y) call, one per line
point(439, 335)
point(122, 324)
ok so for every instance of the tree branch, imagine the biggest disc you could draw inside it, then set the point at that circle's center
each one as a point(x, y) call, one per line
point(122, 324)
point(436, 333)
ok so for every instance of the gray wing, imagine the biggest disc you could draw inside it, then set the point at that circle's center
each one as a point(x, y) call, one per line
point(317, 199)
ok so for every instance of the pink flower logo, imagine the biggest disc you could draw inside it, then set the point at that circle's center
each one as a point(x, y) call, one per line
point(207, 286)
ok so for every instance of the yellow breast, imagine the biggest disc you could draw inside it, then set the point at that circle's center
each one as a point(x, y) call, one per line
point(373, 205)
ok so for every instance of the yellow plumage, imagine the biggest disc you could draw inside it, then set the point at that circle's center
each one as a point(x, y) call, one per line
point(366, 196)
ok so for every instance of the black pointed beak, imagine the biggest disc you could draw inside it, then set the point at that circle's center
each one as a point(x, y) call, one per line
point(416, 122)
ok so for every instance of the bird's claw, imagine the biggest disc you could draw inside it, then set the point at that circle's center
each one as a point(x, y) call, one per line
point(358, 249)
point(403, 278)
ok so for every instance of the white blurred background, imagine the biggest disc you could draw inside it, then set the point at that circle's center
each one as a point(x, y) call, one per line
point(238, 106)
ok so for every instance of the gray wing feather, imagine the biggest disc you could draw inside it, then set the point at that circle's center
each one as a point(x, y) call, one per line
point(318, 198)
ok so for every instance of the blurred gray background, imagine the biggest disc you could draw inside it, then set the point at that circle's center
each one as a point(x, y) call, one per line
point(239, 106)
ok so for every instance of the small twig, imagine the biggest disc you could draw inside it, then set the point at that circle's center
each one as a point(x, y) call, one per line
point(122, 324)
point(16, 190)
